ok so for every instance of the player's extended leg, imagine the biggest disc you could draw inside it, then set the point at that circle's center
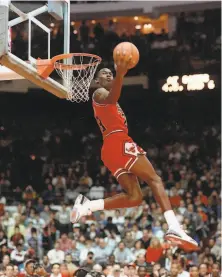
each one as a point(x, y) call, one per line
point(131, 197)
point(144, 170)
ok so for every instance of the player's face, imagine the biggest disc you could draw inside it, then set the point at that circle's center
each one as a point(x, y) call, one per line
point(105, 78)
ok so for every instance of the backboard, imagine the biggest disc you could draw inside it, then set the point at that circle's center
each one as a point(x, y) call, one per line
point(13, 67)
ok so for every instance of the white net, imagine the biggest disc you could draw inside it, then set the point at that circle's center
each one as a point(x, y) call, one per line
point(77, 73)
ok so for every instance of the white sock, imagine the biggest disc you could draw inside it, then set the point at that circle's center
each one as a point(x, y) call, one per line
point(96, 205)
point(172, 220)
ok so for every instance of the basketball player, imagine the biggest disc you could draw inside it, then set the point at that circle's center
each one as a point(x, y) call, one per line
point(125, 159)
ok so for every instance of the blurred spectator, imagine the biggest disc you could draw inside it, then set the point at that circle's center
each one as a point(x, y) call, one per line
point(9, 270)
point(70, 265)
point(46, 265)
point(63, 219)
point(142, 271)
point(74, 252)
point(154, 251)
point(174, 271)
point(65, 243)
point(5, 261)
point(56, 255)
point(89, 262)
point(122, 254)
point(18, 254)
point(84, 32)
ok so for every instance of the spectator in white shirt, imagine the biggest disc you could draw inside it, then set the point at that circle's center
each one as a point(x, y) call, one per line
point(97, 191)
point(18, 255)
point(55, 255)
point(118, 220)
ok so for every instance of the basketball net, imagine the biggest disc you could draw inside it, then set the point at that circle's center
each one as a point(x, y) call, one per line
point(77, 72)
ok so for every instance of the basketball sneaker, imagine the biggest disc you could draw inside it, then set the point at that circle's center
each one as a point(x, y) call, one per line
point(180, 238)
point(80, 208)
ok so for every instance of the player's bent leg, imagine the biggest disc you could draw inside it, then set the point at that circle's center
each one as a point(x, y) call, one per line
point(143, 169)
point(130, 198)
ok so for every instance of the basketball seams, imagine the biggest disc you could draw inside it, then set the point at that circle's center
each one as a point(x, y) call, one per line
point(130, 49)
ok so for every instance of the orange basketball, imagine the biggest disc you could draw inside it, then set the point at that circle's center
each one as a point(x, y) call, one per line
point(124, 50)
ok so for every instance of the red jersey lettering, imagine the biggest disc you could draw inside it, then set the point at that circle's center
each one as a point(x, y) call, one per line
point(110, 118)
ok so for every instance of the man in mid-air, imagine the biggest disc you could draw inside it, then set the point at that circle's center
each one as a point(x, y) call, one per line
point(125, 159)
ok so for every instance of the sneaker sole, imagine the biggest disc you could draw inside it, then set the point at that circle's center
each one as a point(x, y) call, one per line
point(186, 245)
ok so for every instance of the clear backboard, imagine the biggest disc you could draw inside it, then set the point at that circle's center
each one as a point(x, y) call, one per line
point(12, 67)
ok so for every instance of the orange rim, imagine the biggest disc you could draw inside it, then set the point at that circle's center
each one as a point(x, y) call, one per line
point(59, 65)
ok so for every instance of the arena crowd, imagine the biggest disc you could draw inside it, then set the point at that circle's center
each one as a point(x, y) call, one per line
point(35, 219)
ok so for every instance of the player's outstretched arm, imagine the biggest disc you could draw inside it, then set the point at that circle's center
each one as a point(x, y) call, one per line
point(104, 96)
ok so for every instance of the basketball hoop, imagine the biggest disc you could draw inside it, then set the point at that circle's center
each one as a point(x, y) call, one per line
point(77, 71)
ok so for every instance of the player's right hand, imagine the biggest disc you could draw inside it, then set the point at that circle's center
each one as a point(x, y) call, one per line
point(122, 63)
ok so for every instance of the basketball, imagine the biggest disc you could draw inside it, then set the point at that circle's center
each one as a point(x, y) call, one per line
point(126, 49)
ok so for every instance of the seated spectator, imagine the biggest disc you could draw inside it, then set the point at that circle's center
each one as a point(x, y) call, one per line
point(33, 242)
point(122, 254)
point(215, 270)
point(194, 271)
point(174, 270)
point(214, 248)
point(70, 265)
point(140, 260)
point(142, 271)
point(154, 251)
point(56, 270)
point(4, 251)
point(18, 255)
point(118, 220)
point(146, 238)
point(65, 243)
point(74, 252)
point(63, 218)
point(3, 239)
point(17, 237)
point(29, 193)
point(89, 262)
point(203, 271)
point(5, 261)
point(182, 271)
point(138, 249)
point(46, 265)
point(56, 255)
point(116, 272)
point(136, 233)
point(102, 252)
point(128, 240)
point(97, 191)
point(9, 270)
point(97, 268)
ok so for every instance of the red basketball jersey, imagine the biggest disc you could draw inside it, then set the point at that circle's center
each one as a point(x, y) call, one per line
point(110, 118)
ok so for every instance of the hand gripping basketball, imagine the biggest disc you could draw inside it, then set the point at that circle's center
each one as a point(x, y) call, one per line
point(126, 56)
point(122, 63)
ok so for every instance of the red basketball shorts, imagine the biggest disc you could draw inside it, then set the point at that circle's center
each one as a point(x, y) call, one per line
point(119, 153)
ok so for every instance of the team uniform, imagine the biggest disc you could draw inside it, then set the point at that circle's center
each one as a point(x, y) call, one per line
point(119, 152)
